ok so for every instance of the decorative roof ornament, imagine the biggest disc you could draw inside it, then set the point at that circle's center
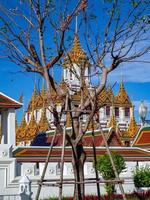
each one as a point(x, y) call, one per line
point(132, 129)
point(42, 98)
point(122, 96)
point(34, 99)
point(43, 91)
point(20, 130)
point(31, 129)
point(110, 95)
point(102, 96)
point(76, 55)
point(43, 124)
point(92, 125)
point(68, 120)
point(113, 122)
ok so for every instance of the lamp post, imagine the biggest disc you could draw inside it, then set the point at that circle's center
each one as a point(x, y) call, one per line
point(142, 111)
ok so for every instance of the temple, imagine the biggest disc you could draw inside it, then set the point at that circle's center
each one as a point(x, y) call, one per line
point(24, 147)
point(115, 111)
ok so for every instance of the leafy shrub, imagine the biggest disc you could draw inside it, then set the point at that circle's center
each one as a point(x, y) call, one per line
point(104, 166)
point(141, 177)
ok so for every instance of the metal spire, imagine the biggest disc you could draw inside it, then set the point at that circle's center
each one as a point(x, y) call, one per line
point(76, 25)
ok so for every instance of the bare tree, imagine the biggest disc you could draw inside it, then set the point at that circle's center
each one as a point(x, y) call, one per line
point(30, 30)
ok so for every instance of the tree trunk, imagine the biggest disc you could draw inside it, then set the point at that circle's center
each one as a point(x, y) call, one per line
point(78, 160)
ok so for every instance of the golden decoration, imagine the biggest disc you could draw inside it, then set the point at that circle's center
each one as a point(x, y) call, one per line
point(102, 96)
point(76, 55)
point(31, 129)
point(34, 100)
point(68, 120)
point(20, 130)
point(43, 124)
point(92, 125)
point(113, 121)
point(122, 97)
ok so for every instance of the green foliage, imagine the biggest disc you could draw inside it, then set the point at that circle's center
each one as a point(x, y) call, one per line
point(141, 177)
point(104, 166)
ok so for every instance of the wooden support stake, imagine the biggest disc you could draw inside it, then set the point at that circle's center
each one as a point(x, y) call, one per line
point(45, 167)
point(112, 163)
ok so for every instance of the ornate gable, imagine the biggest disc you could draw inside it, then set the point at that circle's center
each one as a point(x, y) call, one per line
point(122, 96)
point(142, 139)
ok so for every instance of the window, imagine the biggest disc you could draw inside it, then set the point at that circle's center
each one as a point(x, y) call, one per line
point(127, 112)
point(116, 111)
point(107, 111)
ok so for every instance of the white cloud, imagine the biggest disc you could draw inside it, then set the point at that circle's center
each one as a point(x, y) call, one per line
point(131, 72)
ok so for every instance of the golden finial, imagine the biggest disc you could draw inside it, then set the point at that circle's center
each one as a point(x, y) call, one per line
point(102, 96)
point(122, 96)
point(132, 129)
point(76, 55)
point(113, 121)
point(20, 130)
point(43, 91)
point(34, 99)
point(31, 128)
point(110, 95)
point(68, 120)
point(43, 124)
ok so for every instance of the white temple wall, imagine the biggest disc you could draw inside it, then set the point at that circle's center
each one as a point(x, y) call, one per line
point(11, 180)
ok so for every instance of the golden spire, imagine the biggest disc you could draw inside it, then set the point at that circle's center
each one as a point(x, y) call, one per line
point(31, 129)
point(34, 99)
point(113, 121)
point(20, 130)
point(42, 98)
point(76, 54)
point(110, 95)
point(122, 96)
point(43, 91)
point(43, 124)
point(132, 129)
point(68, 120)
point(92, 125)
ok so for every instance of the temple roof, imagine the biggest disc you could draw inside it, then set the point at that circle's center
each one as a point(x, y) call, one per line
point(8, 102)
point(76, 55)
point(142, 139)
point(39, 154)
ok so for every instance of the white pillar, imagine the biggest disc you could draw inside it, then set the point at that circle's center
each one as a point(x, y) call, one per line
point(102, 114)
point(4, 115)
point(122, 114)
point(11, 136)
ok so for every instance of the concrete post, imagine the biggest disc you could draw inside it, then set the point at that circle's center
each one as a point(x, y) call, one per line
point(25, 188)
point(11, 127)
point(4, 125)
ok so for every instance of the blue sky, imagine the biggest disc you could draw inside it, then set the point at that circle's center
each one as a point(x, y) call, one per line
point(135, 75)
